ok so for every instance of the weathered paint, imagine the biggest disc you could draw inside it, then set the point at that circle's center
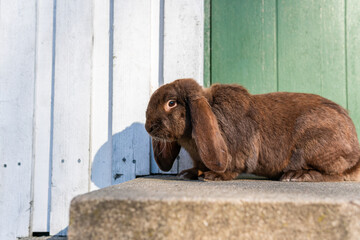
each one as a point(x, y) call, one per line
point(71, 129)
point(42, 116)
point(101, 94)
point(17, 77)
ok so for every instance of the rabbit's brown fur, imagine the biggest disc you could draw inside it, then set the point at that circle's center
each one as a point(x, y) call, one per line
point(227, 131)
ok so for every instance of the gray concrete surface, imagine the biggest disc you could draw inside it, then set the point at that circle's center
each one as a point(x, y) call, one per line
point(167, 208)
point(43, 238)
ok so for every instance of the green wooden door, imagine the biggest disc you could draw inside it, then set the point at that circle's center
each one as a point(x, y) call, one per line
point(308, 46)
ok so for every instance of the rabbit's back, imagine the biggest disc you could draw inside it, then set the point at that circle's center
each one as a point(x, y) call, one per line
point(280, 132)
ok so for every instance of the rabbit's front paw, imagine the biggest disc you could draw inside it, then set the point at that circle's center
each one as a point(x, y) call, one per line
point(189, 174)
point(213, 176)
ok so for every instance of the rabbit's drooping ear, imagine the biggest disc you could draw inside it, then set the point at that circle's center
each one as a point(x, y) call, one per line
point(205, 131)
point(165, 153)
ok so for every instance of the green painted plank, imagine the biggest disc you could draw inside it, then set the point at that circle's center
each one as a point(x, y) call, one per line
point(311, 53)
point(207, 45)
point(353, 59)
point(243, 43)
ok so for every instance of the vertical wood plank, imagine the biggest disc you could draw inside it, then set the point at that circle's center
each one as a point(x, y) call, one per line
point(42, 116)
point(70, 158)
point(100, 132)
point(243, 42)
point(131, 89)
point(17, 74)
point(207, 43)
point(311, 48)
point(184, 40)
point(157, 47)
point(156, 41)
point(353, 59)
point(183, 49)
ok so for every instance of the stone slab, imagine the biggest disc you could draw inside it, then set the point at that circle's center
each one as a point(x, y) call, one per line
point(162, 207)
point(43, 238)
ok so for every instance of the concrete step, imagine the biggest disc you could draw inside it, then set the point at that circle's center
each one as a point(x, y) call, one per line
point(43, 238)
point(167, 208)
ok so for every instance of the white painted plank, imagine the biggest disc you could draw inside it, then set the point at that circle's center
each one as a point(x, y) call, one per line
point(17, 60)
point(100, 133)
point(184, 40)
point(42, 116)
point(156, 41)
point(131, 89)
point(157, 46)
point(70, 159)
point(183, 49)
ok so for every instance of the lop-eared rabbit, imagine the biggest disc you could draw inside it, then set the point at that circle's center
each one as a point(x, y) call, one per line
point(228, 131)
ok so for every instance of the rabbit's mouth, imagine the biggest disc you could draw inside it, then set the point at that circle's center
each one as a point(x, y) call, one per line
point(162, 136)
point(160, 131)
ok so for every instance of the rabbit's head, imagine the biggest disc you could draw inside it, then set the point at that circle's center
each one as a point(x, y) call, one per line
point(166, 118)
point(180, 110)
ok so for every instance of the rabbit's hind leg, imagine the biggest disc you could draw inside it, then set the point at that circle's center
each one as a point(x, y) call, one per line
point(303, 175)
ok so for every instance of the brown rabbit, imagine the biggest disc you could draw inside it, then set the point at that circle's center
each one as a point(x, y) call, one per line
point(227, 131)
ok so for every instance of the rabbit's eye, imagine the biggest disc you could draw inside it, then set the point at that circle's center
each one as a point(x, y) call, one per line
point(170, 104)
